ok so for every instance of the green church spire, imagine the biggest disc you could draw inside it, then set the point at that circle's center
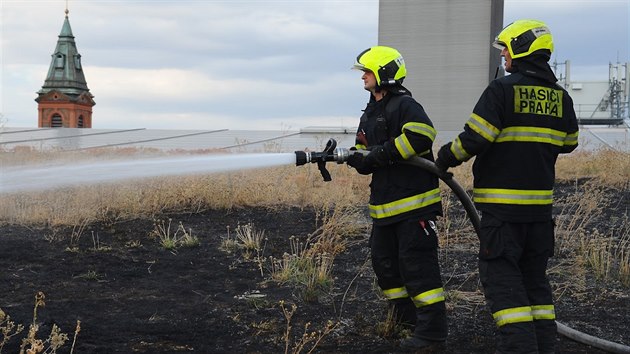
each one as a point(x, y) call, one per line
point(66, 72)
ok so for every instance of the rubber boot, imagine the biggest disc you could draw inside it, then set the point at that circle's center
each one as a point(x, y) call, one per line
point(431, 330)
point(404, 312)
point(546, 336)
point(517, 338)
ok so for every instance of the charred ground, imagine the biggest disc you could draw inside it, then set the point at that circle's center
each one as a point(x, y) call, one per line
point(133, 296)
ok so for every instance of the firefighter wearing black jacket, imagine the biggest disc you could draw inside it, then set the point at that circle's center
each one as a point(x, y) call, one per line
point(404, 200)
point(517, 129)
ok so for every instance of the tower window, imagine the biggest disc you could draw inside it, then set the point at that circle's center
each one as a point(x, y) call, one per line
point(56, 121)
point(80, 122)
point(77, 61)
point(59, 61)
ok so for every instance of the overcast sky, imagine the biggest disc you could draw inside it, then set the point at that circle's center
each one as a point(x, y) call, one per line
point(238, 64)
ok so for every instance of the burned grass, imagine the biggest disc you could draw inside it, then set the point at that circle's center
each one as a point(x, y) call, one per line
point(143, 298)
point(278, 264)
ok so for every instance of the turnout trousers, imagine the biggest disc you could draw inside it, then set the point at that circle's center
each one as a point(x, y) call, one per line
point(512, 266)
point(405, 261)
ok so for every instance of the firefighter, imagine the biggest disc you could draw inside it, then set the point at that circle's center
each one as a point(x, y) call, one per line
point(404, 199)
point(517, 129)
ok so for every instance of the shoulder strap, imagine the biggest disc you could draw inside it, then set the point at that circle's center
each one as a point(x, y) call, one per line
point(394, 103)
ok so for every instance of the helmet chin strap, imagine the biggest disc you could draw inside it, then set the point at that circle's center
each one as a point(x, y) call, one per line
point(383, 84)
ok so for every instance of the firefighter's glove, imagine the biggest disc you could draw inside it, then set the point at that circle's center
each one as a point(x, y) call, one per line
point(445, 159)
point(357, 160)
point(378, 157)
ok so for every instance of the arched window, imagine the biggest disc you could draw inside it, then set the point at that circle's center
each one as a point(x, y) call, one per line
point(80, 122)
point(59, 61)
point(56, 121)
point(77, 61)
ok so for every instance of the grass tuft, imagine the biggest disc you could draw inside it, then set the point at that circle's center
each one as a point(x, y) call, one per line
point(171, 240)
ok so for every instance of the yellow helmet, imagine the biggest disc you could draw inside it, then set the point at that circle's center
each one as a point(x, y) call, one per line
point(386, 63)
point(523, 37)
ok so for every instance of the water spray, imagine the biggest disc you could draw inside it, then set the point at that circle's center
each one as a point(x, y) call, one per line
point(81, 173)
point(340, 155)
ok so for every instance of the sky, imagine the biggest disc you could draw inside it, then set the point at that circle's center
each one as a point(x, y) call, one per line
point(245, 64)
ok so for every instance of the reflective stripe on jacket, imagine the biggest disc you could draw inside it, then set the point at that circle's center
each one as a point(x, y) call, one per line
point(398, 191)
point(517, 129)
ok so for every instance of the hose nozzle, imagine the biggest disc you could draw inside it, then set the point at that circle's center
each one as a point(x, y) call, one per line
point(331, 153)
point(339, 155)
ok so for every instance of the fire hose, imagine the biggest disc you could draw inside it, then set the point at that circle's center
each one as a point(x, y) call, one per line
point(340, 155)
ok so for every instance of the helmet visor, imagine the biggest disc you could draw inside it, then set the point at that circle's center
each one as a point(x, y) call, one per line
point(359, 66)
point(498, 45)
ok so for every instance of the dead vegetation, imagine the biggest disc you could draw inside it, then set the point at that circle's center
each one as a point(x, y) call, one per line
point(592, 231)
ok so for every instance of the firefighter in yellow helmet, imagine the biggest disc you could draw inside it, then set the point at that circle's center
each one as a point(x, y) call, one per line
point(404, 199)
point(519, 126)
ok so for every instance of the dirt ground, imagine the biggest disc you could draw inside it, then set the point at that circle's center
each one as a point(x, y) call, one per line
point(133, 296)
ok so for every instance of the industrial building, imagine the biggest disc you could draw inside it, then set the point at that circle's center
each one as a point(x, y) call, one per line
point(432, 37)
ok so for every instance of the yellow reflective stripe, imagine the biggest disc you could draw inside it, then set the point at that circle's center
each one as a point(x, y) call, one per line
point(429, 297)
point(543, 312)
point(571, 139)
point(513, 315)
point(458, 150)
point(404, 147)
point(360, 147)
point(395, 293)
point(532, 134)
point(512, 196)
point(483, 127)
point(402, 141)
point(420, 128)
point(404, 205)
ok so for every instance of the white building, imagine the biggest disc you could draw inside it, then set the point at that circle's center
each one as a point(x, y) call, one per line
point(603, 102)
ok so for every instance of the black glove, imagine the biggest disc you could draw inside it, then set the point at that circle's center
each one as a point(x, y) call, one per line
point(445, 159)
point(378, 157)
point(357, 160)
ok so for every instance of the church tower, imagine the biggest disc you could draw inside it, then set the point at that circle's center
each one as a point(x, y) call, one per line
point(65, 100)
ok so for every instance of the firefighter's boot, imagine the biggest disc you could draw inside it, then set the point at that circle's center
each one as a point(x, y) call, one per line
point(431, 330)
point(404, 312)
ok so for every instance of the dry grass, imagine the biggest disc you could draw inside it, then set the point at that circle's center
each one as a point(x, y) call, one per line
point(608, 256)
point(309, 338)
point(387, 328)
point(8, 328)
point(31, 344)
point(606, 166)
point(602, 252)
point(172, 238)
point(338, 227)
point(340, 220)
point(578, 212)
point(250, 239)
point(339, 203)
point(468, 300)
point(309, 263)
point(302, 267)
point(273, 187)
point(113, 202)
